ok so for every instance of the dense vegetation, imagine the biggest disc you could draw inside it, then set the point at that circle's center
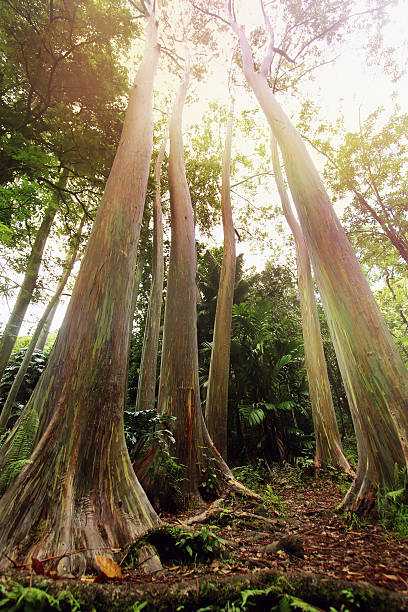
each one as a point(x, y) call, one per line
point(227, 382)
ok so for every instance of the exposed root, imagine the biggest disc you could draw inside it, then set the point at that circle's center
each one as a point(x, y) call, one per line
point(361, 498)
point(212, 510)
point(237, 487)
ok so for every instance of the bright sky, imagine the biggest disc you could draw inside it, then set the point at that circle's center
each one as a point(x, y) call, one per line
point(347, 86)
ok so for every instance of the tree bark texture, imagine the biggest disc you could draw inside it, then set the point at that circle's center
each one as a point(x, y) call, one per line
point(79, 491)
point(216, 411)
point(15, 388)
point(25, 294)
point(179, 393)
point(146, 390)
point(328, 444)
point(374, 375)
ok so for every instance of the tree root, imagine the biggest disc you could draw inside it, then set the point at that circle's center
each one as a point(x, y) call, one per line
point(237, 487)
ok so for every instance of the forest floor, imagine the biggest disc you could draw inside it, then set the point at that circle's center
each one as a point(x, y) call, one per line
point(296, 534)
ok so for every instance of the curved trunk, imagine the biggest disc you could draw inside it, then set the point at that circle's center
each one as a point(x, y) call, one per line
point(25, 294)
point(374, 375)
point(146, 390)
point(79, 490)
point(328, 444)
point(15, 388)
point(216, 411)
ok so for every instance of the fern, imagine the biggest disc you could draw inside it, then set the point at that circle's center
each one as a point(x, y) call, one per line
point(19, 451)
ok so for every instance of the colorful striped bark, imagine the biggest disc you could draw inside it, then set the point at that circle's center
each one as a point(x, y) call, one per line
point(329, 449)
point(216, 411)
point(374, 375)
point(146, 389)
point(79, 491)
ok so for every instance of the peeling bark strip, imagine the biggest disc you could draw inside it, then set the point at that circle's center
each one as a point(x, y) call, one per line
point(216, 411)
point(146, 390)
point(328, 444)
point(375, 377)
point(25, 294)
point(79, 491)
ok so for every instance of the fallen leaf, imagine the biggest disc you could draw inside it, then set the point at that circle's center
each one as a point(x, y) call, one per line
point(108, 567)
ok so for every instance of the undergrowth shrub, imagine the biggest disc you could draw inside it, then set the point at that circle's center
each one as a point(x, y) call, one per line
point(142, 428)
point(393, 505)
point(20, 449)
point(179, 545)
point(34, 371)
point(254, 477)
point(33, 599)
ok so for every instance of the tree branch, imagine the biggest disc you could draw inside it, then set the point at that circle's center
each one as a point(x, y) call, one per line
point(268, 59)
point(209, 13)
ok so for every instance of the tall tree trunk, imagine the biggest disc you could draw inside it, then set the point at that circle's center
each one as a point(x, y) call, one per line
point(179, 394)
point(136, 289)
point(146, 389)
point(79, 490)
point(15, 388)
point(328, 444)
point(42, 338)
point(25, 294)
point(374, 375)
point(138, 274)
point(216, 411)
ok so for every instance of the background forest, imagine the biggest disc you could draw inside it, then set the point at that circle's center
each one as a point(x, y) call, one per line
point(76, 188)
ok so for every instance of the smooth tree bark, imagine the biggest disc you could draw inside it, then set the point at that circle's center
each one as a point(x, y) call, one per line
point(202, 470)
point(374, 375)
point(25, 294)
point(79, 491)
point(15, 388)
point(146, 390)
point(216, 410)
point(42, 338)
point(329, 449)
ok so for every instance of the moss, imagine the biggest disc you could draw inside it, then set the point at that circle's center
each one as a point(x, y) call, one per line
point(38, 530)
point(261, 590)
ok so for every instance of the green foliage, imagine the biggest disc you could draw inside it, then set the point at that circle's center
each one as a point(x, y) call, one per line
point(20, 449)
point(253, 477)
point(369, 168)
point(34, 371)
point(179, 545)
point(392, 506)
point(138, 606)
point(271, 598)
point(270, 379)
point(272, 500)
point(143, 428)
point(33, 599)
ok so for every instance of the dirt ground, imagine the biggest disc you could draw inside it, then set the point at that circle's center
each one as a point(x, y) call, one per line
point(298, 533)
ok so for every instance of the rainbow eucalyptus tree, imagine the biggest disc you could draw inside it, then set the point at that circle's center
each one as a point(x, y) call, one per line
point(374, 375)
point(216, 410)
point(202, 469)
point(146, 389)
point(79, 492)
point(328, 444)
